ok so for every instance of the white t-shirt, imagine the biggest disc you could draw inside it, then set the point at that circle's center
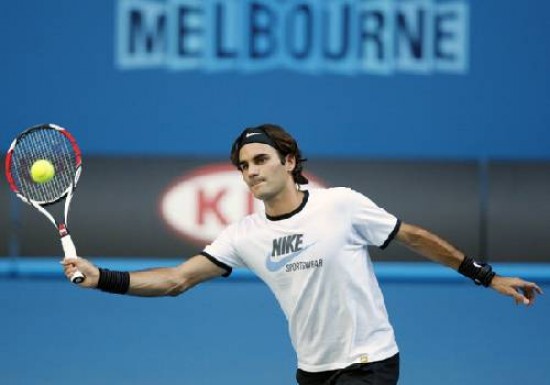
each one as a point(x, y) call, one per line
point(315, 260)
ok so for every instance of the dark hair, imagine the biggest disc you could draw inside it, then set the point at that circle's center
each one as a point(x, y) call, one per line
point(283, 142)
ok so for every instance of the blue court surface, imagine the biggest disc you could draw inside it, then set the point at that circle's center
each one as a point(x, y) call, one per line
point(231, 331)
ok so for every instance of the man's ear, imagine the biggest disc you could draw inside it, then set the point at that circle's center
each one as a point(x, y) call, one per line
point(290, 162)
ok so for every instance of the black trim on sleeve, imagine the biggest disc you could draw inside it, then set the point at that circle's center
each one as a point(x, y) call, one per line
point(212, 259)
point(392, 234)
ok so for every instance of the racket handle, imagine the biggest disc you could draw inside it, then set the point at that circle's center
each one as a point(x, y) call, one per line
point(70, 253)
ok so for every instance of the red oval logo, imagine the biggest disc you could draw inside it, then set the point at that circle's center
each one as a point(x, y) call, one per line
point(200, 204)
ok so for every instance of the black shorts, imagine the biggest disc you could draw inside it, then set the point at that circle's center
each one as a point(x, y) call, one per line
point(384, 372)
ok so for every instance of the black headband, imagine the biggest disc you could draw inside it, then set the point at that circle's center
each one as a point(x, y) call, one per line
point(255, 135)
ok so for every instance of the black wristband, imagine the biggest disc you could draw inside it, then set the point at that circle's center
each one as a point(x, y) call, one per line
point(117, 282)
point(481, 273)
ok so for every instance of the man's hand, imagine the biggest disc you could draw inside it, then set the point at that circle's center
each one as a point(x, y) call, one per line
point(522, 291)
point(90, 271)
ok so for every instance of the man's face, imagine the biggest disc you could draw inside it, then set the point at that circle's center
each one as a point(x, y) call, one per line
point(263, 171)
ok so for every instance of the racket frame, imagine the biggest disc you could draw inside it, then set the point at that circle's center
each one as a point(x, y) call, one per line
point(66, 240)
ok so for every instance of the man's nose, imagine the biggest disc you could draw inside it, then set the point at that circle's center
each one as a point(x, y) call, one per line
point(252, 170)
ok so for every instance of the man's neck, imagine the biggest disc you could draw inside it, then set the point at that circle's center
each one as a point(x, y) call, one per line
point(286, 202)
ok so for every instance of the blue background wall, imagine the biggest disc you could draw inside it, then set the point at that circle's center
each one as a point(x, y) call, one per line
point(58, 64)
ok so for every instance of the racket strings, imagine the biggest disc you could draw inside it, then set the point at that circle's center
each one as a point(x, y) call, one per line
point(53, 146)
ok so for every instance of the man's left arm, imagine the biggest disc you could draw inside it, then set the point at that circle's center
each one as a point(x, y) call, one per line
point(438, 250)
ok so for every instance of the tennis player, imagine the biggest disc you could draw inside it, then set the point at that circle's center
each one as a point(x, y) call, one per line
point(310, 248)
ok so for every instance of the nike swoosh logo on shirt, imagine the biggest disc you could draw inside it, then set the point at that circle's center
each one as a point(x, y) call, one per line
point(274, 266)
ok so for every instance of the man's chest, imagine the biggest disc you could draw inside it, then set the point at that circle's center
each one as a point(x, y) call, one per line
point(276, 251)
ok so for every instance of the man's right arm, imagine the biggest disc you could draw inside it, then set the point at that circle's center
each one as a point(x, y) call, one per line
point(168, 281)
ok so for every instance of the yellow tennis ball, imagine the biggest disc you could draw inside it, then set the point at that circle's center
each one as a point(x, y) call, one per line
point(42, 171)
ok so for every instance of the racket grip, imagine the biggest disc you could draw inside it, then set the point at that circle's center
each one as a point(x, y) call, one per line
point(70, 253)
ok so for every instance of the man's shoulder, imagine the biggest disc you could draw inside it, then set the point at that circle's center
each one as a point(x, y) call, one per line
point(250, 220)
point(332, 192)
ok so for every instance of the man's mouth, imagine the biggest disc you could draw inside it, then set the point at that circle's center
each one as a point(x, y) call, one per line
point(256, 182)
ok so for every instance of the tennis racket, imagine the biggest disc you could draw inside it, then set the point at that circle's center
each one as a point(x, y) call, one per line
point(55, 145)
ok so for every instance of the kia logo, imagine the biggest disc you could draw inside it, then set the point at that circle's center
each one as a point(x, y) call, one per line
point(200, 204)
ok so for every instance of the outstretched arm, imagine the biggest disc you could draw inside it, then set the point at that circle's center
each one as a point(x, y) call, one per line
point(438, 250)
point(169, 281)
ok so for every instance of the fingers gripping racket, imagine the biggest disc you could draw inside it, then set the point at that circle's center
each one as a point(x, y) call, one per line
point(43, 165)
